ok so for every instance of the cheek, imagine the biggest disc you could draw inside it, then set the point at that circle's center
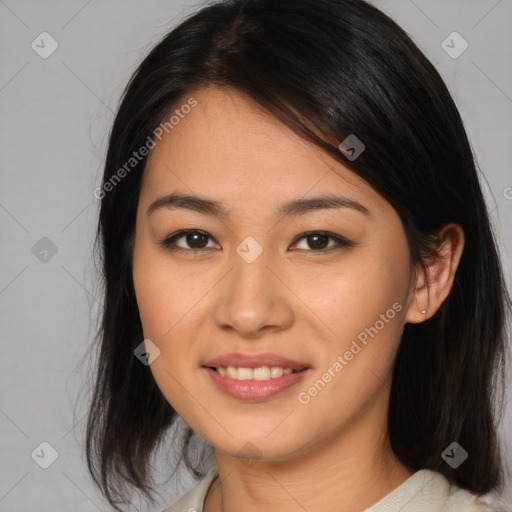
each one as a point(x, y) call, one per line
point(165, 295)
point(353, 297)
point(354, 371)
point(362, 304)
point(160, 310)
point(169, 302)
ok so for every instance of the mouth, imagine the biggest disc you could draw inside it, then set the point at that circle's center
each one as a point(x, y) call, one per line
point(254, 378)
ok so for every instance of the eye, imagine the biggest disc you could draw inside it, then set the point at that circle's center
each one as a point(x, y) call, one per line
point(318, 241)
point(196, 240)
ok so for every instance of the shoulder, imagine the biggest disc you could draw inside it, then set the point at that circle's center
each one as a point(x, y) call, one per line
point(463, 500)
point(428, 491)
point(193, 500)
point(460, 499)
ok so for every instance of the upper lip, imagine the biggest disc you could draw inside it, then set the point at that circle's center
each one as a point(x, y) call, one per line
point(254, 361)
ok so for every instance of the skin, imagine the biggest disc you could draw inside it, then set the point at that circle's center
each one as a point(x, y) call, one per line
point(303, 304)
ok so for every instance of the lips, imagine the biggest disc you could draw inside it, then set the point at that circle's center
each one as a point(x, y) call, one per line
point(226, 374)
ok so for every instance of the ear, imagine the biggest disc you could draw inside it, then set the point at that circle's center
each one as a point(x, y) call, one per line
point(428, 296)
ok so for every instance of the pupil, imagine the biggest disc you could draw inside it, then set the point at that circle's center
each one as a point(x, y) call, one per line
point(192, 238)
point(321, 245)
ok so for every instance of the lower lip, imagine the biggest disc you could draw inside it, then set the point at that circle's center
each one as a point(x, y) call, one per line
point(255, 390)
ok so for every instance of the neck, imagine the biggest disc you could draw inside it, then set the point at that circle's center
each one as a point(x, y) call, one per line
point(348, 473)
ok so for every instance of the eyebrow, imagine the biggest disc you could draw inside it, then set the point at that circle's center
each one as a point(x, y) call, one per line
point(292, 208)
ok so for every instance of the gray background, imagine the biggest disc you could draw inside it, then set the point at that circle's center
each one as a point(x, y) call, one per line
point(55, 117)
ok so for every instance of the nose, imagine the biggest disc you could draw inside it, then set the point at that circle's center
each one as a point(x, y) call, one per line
point(252, 299)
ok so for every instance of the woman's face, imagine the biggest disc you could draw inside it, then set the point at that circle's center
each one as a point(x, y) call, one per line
point(258, 290)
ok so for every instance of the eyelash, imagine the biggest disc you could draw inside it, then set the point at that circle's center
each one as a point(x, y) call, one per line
point(342, 242)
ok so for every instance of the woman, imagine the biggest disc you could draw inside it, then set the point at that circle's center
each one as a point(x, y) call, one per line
point(298, 261)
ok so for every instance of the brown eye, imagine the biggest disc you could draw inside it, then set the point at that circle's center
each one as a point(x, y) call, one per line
point(190, 240)
point(317, 241)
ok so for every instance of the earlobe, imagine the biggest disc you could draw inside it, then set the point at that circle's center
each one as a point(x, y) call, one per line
point(422, 311)
point(440, 273)
point(419, 310)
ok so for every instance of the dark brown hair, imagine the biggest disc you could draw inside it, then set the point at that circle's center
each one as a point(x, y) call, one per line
point(327, 69)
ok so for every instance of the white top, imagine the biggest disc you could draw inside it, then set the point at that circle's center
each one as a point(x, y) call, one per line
point(424, 491)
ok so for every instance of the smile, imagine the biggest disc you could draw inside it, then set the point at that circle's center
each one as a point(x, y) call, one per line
point(254, 377)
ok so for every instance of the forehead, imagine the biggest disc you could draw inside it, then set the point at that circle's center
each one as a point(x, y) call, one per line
point(228, 146)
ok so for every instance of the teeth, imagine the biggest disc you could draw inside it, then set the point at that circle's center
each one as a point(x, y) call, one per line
point(261, 373)
point(232, 372)
point(276, 371)
point(245, 374)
